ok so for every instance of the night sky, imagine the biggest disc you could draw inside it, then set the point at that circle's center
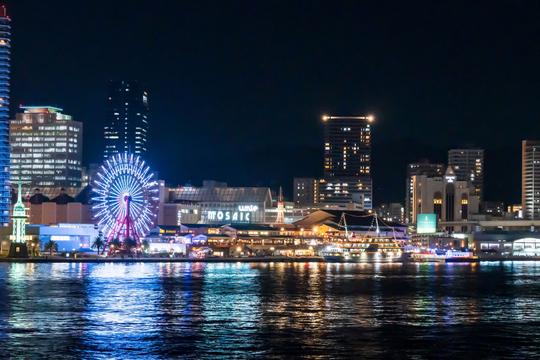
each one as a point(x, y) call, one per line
point(237, 88)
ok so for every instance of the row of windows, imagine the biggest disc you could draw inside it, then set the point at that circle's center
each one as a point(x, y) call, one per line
point(35, 141)
point(49, 174)
point(46, 161)
point(40, 155)
point(46, 166)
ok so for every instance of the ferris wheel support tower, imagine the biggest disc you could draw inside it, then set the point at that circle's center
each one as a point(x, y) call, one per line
point(124, 227)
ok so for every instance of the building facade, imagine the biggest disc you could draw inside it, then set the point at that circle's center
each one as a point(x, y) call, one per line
point(494, 208)
point(468, 164)
point(5, 60)
point(347, 161)
point(450, 199)
point(126, 128)
point(46, 149)
point(415, 169)
point(214, 203)
point(530, 179)
point(61, 209)
point(306, 192)
point(69, 238)
point(391, 212)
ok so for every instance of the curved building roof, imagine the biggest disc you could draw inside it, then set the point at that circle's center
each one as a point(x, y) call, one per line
point(354, 219)
point(222, 194)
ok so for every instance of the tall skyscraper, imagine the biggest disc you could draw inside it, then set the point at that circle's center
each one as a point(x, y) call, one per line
point(126, 128)
point(46, 149)
point(420, 168)
point(5, 57)
point(468, 165)
point(530, 179)
point(347, 161)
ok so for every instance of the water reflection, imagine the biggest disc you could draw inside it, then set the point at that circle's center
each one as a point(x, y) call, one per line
point(207, 310)
point(43, 310)
point(122, 304)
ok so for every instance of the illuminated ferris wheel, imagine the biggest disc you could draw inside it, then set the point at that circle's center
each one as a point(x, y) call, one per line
point(126, 197)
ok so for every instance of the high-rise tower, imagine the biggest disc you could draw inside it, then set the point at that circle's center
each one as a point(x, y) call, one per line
point(5, 55)
point(126, 128)
point(468, 164)
point(530, 179)
point(347, 161)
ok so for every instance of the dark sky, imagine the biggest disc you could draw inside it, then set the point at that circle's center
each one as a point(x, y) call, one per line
point(237, 88)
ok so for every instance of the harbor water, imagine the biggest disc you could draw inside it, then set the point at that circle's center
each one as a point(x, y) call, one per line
point(261, 310)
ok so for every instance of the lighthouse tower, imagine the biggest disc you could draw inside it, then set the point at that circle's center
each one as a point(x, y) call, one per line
point(18, 248)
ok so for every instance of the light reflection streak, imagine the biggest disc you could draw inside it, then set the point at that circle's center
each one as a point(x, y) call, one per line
point(230, 308)
point(201, 310)
point(123, 306)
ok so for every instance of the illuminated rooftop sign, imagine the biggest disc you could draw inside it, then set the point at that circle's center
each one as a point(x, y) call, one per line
point(228, 216)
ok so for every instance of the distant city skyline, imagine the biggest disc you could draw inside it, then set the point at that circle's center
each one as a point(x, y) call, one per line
point(148, 219)
point(219, 98)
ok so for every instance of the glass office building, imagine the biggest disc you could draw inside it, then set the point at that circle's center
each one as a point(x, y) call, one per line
point(126, 129)
point(46, 150)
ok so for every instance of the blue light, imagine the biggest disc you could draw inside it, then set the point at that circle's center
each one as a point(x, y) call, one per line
point(5, 54)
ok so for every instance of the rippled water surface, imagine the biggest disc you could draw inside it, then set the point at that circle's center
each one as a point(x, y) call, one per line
point(263, 310)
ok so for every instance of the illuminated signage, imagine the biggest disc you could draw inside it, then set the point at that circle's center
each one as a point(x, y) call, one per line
point(248, 208)
point(242, 214)
point(60, 238)
point(226, 215)
point(426, 223)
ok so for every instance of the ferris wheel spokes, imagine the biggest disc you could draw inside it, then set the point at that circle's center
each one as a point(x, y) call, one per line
point(126, 197)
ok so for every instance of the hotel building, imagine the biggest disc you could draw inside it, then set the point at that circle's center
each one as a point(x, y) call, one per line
point(46, 150)
point(347, 162)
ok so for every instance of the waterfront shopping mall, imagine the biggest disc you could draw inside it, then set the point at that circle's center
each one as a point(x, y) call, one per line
point(218, 220)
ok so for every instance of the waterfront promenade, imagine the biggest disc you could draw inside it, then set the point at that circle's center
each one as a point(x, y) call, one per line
point(254, 259)
point(60, 259)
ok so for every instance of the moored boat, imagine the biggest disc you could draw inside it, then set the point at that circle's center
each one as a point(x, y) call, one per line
point(460, 256)
point(436, 255)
